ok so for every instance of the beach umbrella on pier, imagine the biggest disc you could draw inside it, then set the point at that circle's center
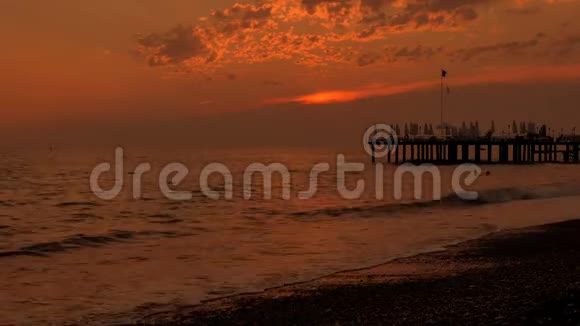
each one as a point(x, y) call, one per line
point(444, 127)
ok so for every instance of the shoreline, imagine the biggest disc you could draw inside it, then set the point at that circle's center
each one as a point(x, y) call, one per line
point(458, 284)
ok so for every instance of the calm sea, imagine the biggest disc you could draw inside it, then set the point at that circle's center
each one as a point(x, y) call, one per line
point(66, 254)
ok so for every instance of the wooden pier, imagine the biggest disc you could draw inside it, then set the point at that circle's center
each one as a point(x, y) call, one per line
point(479, 151)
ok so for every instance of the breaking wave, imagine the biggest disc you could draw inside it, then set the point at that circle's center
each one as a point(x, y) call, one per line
point(491, 196)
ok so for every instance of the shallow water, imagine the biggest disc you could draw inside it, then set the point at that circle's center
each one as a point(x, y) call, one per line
point(67, 254)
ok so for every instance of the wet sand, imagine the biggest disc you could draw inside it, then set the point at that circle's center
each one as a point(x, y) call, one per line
point(526, 276)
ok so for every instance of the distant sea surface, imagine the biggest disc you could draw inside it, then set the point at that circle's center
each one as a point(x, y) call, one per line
point(66, 254)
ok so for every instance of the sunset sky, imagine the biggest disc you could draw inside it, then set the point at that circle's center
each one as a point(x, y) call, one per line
point(71, 62)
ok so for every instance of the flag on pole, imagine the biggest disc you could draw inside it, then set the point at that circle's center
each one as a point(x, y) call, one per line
point(443, 73)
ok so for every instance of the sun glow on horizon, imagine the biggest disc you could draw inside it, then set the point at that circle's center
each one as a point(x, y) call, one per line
point(512, 75)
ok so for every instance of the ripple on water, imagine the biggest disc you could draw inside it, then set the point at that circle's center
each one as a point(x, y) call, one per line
point(163, 219)
point(80, 241)
point(77, 203)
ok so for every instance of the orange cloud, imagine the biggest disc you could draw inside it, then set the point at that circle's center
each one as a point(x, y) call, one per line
point(250, 33)
point(513, 75)
point(318, 32)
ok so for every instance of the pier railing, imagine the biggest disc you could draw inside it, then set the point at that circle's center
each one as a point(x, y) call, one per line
point(479, 151)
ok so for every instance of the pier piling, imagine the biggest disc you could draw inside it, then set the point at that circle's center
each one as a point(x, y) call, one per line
point(455, 151)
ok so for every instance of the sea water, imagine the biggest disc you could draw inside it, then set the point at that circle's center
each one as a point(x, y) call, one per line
point(66, 254)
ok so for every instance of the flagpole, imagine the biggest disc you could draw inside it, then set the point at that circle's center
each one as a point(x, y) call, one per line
point(442, 132)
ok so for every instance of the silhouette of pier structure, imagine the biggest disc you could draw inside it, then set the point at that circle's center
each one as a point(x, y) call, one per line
point(478, 151)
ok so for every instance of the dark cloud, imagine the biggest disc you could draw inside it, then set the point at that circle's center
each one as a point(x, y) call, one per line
point(393, 54)
point(175, 46)
point(540, 44)
point(513, 47)
point(376, 5)
point(367, 59)
point(310, 5)
point(380, 14)
point(334, 7)
point(437, 12)
point(367, 32)
point(451, 5)
point(572, 40)
point(567, 46)
point(466, 14)
point(413, 53)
